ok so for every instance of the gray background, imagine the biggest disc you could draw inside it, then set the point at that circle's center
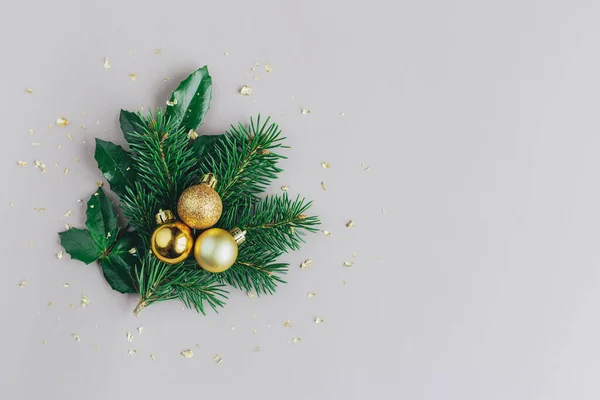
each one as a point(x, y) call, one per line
point(479, 123)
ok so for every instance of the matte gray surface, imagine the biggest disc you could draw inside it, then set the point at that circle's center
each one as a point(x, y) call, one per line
point(478, 120)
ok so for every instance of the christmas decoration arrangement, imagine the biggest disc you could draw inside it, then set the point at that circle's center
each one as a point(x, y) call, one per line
point(198, 221)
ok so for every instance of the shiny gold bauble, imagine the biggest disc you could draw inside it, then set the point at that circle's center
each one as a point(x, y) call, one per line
point(172, 241)
point(216, 249)
point(200, 206)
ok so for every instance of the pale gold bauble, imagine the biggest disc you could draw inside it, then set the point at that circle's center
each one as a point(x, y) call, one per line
point(200, 206)
point(216, 249)
point(172, 241)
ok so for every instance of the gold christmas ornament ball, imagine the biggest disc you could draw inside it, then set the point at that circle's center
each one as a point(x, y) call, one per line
point(172, 241)
point(200, 206)
point(216, 249)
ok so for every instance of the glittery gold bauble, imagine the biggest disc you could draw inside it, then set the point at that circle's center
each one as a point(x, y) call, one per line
point(216, 249)
point(200, 206)
point(172, 241)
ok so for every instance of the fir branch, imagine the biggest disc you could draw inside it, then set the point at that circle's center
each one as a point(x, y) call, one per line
point(244, 162)
point(159, 281)
point(139, 207)
point(255, 270)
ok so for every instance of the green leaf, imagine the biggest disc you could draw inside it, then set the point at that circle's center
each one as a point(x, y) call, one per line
point(116, 165)
point(192, 100)
point(118, 266)
point(204, 145)
point(80, 245)
point(101, 220)
point(131, 124)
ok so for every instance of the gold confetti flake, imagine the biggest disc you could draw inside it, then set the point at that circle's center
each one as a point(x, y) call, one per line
point(327, 233)
point(350, 224)
point(106, 64)
point(67, 214)
point(306, 264)
point(50, 127)
point(132, 250)
point(287, 324)
point(40, 165)
point(255, 78)
point(69, 136)
point(44, 343)
point(171, 103)
point(251, 295)
point(348, 263)
point(187, 354)
point(325, 165)
point(167, 79)
point(268, 68)
point(22, 283)
point(31, 131)
point(59, 255)
point(62, 122)
point(129, 337)
point(256, 349)
point(76, 337)
point(323, 186)
point(296, 340)
point(132, 352)
point(50, 304)
point(76, 159)
point(218, 358)
point(192, 134)
point(285, 188)
point(342, 114)
point(30, 91)
point(35, 144)
point(305, 111)
point(66, 285)
point(246, 90)
point(343, 282)
point(132, 77)
point(99, 183)
point(140, 329)
point(68, 226)
point(96, 348)
point(71, 305)
point(365, 167)
point(152, 357)
point(66, 171)
point(318, 320)
point(22, 163)
point(158, 52)
point(42, 209)
point(84, 301)
point(311, 295)
point(225, 53)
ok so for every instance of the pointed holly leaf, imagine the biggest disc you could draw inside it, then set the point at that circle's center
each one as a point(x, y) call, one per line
point(119, 264)
point(191, 100)
point(116, 165)
point(101, 220)
point(204, 145)
point(131, 124)
point(80, 245)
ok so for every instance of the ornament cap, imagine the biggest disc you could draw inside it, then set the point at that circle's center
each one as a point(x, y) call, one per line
point(209, 180)
point(238, 235)
point(164, 216)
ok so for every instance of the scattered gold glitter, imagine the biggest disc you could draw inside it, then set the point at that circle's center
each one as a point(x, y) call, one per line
point(226, 53)
point(311, 295)
point(152, 357)
point(323, 185)
point(96, 348)
point(66, 285)
point(296, 340)
point(132, 250)
point(140, 329)
point(22, 284)
point(31, 131)
point(254, 331)
point(69, 136)
point(305, 111)
point(62, 122)
point(325, 165)
point(50, 304)
point(66, 171)
point(327, 233)
point(67, 214)
point(348, 263)
point(40, 165)
point(171, 102)
point(129, 337)
point(287, 324)
point(72, 305)
point(42, 209)
point(365, 167)
point(44, 343)
point(343, 114)
point(132, 76)
point(268, 68)
point(218, 358)
point(192, 134)
point(132, 352)
point(256, 348)
point(76, 337)
point(306, 264)
point(30, 91)
point(84, 301)
point(251, 295)
point(68, 226)
point(167, 78)
point(35, 144)
point(106, 64)
point(158, 52)
point(187, 353)
point(246, 90)
point(22, 163)
point(59, 255)
point(318, 320)
point(350, 224)
point(285, 188)
point(99, 183)
point(59, 148)
point(353, 255)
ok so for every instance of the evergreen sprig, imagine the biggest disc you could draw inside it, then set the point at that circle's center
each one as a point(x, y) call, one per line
point(162, 162)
